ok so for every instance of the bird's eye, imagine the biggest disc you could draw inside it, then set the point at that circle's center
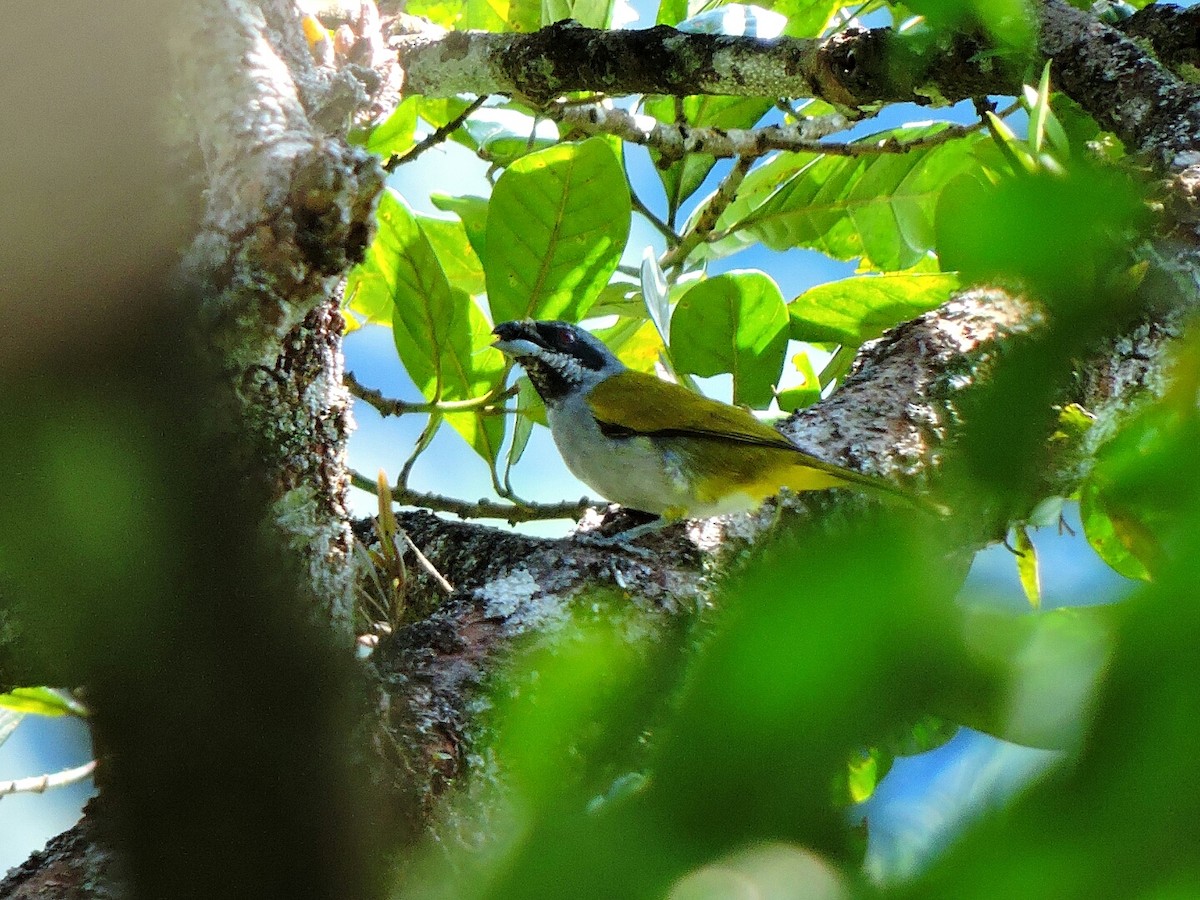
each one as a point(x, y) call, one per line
point(566, 337)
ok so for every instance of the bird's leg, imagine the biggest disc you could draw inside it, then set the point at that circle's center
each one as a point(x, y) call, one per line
point(625, 537)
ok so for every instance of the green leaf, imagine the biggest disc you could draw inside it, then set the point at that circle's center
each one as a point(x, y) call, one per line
point(454, 252)
point(557, 224)
point(502, 15)
point(590, 13)
point(1116, 535)
point(42, 701)
point(395, 134)
point(878, 207)
point(806, 18)
point(442, 337)
point(445, 13)
point(1027, 566)
point(671, 12)
point(682, 178)
point(532, 412)
point(805, 394)
point(863, 774)
point(619, 298)
point(735, 323)
point(863, 307)
point(472, 211)
point(987, 231)
point(636, 342)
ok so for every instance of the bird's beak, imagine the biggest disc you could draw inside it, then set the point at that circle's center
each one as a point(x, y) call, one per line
point(515, 338)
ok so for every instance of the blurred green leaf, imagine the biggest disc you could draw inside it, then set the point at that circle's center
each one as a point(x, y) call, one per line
point(454, 252)
point(589, 13)
point(1027, 566)
point(1000, 231)
point(557, 225)
point(735, 323)
point(1073, 422)
point(863, 307)
point(806, 18)
point(880, 207)
point(445, 13)
point(1030, 677)
point(41, 701)
point(1137, 490)
point(1009, 23)
point(1116, 539)
point(864, 771)
point(502, 15)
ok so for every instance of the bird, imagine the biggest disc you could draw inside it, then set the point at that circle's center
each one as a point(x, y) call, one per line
point(656, 446)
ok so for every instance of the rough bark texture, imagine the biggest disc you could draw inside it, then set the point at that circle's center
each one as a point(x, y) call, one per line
point(287, 212)
point(853, 68)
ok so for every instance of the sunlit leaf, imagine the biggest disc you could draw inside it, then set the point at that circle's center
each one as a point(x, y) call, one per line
point(42, 701)
point(861, 308)
point(735, 323)
point(557, 224)
point(806, 18)
point(442, 337)
point(1027, 566)
point(454, 252)
point(635, 341)
point(445, 13)
point(394, 135)
point(502, 15)
point(472, 211)
point(878, 207)
point(804, 394)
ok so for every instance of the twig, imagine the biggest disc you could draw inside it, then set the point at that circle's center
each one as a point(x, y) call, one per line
point(662, 227)
point(387, 406)
point(675, 141)
point(483, 508)
point(423, 441)
point(39, 784)
point(428, 566)
point(707, 220)
point(438, 135)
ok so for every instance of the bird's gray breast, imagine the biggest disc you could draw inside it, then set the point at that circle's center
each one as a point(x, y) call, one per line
point(630, 469)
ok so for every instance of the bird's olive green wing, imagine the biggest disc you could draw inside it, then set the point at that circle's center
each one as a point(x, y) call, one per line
point(642, 404)
point(637, 403)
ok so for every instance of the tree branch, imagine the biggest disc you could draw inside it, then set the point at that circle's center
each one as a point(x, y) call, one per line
point(852, 68)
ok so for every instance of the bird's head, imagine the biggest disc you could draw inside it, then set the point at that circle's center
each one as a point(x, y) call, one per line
point(561, 359)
